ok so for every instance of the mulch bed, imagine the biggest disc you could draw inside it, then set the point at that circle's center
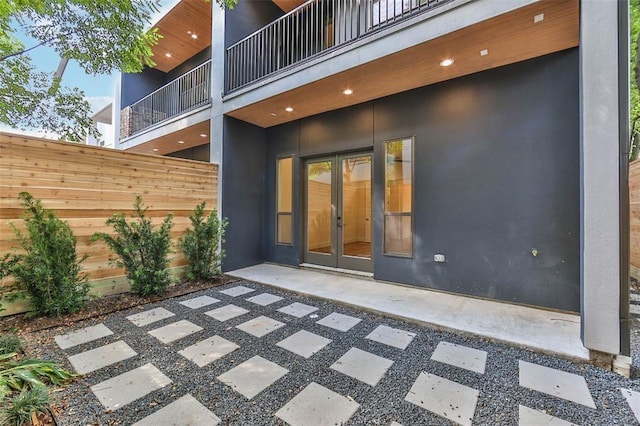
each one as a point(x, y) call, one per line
point(22, 324)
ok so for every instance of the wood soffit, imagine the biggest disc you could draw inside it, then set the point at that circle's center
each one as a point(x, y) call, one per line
point(167, 144)
point(288, 5)
point(177, 27)
point(508, 38)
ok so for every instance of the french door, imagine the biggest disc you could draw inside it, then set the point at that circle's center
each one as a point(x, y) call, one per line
point(338, 211)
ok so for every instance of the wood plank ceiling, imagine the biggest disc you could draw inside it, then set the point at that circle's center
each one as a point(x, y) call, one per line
point(189, 137)
point(186, 30)
point(506, 39)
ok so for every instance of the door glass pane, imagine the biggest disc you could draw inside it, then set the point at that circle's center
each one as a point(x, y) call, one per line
point(319, 178)
point(356, 206)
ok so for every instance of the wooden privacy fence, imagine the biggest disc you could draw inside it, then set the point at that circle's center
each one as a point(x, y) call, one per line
point(85, 185)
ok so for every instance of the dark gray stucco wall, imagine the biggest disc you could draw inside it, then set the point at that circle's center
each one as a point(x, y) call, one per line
point(136, 86)
point(247, 17)
point(199, 58)
point(243, 176)
point(198, 153)
point(496, 179)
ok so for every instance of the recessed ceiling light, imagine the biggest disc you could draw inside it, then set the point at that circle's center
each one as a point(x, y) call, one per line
point(288, 109)
point(180, 142)
point(204, 135)
point(446, 62)
point(273, 114)
point(194, 36)
point(155, 149)
point(168, 55)
point(347, 91)
point(484, 52)
point(538, 18)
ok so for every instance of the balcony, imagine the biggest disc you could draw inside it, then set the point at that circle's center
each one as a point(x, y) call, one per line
point(314, 28)
point(188, 92)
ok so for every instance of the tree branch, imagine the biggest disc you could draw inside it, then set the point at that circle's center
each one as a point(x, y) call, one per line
point(23, 51)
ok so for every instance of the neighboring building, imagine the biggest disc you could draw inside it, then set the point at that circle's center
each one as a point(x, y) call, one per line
point(103, 122)
point(470, 146)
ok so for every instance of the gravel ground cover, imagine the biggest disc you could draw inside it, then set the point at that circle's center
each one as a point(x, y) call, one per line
point(500, 393)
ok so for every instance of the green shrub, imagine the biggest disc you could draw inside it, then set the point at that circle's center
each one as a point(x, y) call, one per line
point(10, 343)
point(18, 410)
point(201, 244)
point(142, 250)
point(47, 269)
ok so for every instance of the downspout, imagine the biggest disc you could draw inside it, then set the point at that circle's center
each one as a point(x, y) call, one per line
point(623, 99)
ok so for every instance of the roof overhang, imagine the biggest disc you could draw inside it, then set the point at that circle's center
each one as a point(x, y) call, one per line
point(189, 137)
point(185, 31)
point(531, 31)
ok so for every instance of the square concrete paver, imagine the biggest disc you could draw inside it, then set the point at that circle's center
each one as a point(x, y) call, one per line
point(391, 336)
point(149, 317)
point(362, 365)
point(395, 424)
point(119, 391)
point(561, 384)
point(260, 326)
point(209, 350)
point(298, 310)
point(199, 302)
point(634, 309)
point(530, 417)
point(445, 398)
point(227, 312)
point(633, 399)
point(264, 299)
point(186, 411)
point(339, 322)
point(95, 359)
point(84, 335)
point(304, 343)
point(174, 331)
point(253, 376)
point(460, 356)
point(237, 291)
point(317, 406)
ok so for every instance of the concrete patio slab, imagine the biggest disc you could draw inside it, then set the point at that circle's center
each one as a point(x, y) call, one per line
point(260, 326)
point(317, 406)
point(551, 381)
point(445, 398)
point(339, 322)
point(149, 317)
point(95, 359)
point(175, 331)
point(460, 356)
point(264, 299)
point(237, 291)
point(298, 310)
point(304, 343)
point(84, 335)
point(551, 332)
point(530, 417)
point(391, 336)
point(226, 313)
point(208, 350)
point(186, 411)
point(362, 365)
point(253, 376)
point(121, 390)
point(199, 302)
point(633, 399)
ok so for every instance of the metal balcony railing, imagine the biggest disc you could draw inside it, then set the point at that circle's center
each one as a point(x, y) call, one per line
point(313, 28)
point(189, 91)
